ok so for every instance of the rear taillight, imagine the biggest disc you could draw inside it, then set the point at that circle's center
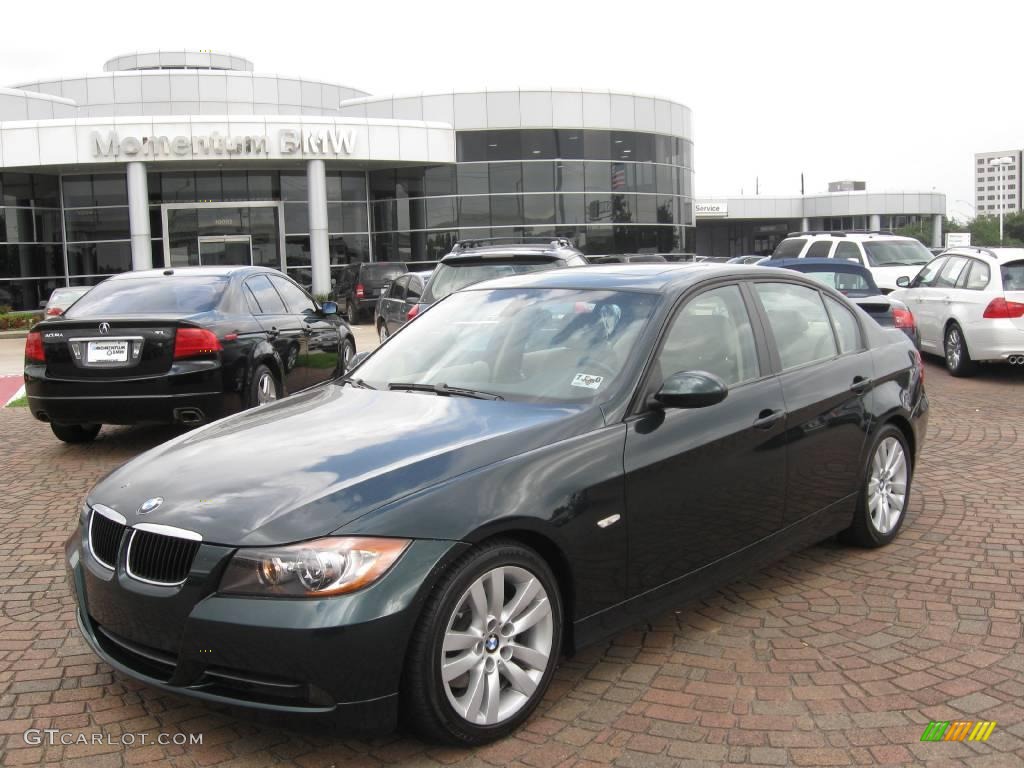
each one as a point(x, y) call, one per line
point(34, 347)
point(54, 311)
point(1001, 309)
point(415, 310)
point(903, 318)
point(360, 292)
point(193, 342)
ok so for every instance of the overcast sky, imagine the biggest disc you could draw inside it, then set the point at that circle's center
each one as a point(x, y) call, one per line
point(899, 94)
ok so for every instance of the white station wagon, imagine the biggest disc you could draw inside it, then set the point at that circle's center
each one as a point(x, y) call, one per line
point(969, 305)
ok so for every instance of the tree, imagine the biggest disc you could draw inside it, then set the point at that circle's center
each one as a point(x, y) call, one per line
point(985, 230)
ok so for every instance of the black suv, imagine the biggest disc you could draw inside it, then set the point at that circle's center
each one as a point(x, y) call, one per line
point(358, 286)
point(472, 261)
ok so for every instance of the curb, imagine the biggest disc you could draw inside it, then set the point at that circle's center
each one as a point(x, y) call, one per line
point(19, 334)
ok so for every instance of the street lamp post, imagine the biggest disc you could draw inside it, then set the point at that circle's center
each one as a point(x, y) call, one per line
point(1002, 162)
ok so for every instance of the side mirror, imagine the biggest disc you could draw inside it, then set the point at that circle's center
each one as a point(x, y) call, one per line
point(903, 282)
point(329, 308)
point(357, 360)
point(690, 389)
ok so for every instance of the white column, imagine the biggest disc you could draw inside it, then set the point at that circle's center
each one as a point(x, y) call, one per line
point(319, 252)
point(937, 230)
point(874, 222)
point(805, 224)
point(138, 216)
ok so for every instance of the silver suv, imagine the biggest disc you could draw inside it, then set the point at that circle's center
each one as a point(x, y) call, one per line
point(888, 257)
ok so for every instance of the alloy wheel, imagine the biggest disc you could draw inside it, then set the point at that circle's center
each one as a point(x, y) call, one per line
point(266, 389)
point(346, 355)
point(887, 485)
point(954, 348)
point(497, 645)
point(382, 333)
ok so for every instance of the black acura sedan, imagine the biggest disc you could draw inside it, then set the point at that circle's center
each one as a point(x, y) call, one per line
point(536, 463)
point(183, 345)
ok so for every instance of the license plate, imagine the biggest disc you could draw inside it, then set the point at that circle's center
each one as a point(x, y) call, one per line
point(108, 352)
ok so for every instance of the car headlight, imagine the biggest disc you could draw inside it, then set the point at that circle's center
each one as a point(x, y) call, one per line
point(318, 568)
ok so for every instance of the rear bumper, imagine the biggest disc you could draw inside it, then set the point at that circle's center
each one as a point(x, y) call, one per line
point(994, 340)
point(195, 387)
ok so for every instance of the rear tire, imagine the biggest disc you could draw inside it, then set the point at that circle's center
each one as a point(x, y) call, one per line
point(500, 646)
point(958, 358)
point(353, 312)
point(264, 387)
point(76, 433)
point(885, 491)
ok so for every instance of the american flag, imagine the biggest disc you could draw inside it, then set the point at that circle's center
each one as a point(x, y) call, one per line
point(618, 176)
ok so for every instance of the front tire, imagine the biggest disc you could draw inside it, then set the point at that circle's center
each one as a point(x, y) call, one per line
point(347, 352)
point(885, 491)
point(382, 331)
point(958, 358)
point(76, 433)
point(485, 647)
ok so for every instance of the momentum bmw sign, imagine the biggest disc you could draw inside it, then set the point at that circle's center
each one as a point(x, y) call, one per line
point(287, 141)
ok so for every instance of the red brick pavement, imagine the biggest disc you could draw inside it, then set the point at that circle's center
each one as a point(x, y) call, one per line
point(834, 656)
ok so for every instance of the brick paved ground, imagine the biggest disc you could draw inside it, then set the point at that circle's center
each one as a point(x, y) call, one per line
point(834, 656)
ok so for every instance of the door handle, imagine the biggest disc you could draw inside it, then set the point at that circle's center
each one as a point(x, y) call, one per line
point(860, 383)
point(767, 418)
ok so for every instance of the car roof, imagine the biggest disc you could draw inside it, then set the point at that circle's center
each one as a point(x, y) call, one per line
point(835, 265)
point(852, 236)
point(650, 278)
point(508, 253)
point(999, 254)
point(193, 272)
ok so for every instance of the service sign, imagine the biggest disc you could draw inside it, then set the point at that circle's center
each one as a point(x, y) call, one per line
point(958, 239)
point(708, 210)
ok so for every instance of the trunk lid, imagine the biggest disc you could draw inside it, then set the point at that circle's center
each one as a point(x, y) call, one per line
point(116, 347)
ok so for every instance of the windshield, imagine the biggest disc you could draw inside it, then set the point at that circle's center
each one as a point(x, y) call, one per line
point(447, 278)
point(897, 253)
point(151, 296)
point(848, 283)
point(532, 344)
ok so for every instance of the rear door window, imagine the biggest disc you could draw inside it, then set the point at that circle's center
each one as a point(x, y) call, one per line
point(397, 291)
point(978, 277)
point(267, 299)
point(819, 249)
point(847, 329)
point(296, 299)
point(848, 251)
point(789, 248)
point(1013, 276)
point(800, 325)
point(414, 289)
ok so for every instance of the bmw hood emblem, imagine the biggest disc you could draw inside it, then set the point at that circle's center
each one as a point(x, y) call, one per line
point(149, 505)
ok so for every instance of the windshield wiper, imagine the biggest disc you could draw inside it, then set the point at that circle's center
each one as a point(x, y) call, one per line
point(444, 389)
point(356, 382)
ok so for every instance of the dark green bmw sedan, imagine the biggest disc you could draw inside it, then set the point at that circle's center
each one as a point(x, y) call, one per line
point(531, 466)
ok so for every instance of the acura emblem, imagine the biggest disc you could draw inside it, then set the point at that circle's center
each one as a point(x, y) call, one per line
point(104, 328)
point(149, 504)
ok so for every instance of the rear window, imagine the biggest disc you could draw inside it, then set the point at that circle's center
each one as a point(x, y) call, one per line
point(151, 296)
point(789, 248)
point(897, 253)
point(449, 278)
point(381, 272)
point(1013, 276)
point(849, 283)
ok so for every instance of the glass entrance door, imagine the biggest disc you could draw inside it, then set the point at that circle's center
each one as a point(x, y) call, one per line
point(225, 250)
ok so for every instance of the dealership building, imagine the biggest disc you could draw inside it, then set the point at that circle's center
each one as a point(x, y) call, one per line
point(175, 158)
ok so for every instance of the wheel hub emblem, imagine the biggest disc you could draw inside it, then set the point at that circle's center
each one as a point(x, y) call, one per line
point(491, 644)
point(149, 505)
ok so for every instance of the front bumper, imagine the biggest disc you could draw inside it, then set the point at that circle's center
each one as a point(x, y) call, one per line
point(341, 655)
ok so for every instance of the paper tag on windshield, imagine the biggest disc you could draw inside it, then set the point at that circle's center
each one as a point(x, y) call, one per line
point(587, 380)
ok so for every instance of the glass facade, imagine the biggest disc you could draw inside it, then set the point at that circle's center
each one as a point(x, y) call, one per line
point(609, 191)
